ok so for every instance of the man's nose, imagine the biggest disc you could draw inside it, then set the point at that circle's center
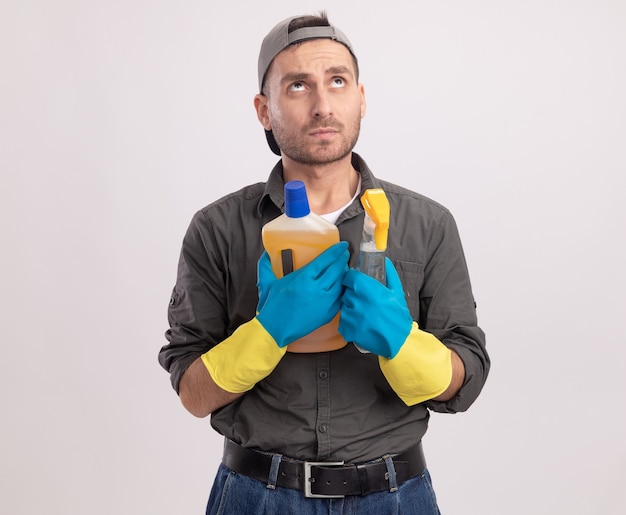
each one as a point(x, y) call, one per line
point(321, 103)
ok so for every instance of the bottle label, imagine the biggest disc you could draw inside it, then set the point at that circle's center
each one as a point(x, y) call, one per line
point(286, 258)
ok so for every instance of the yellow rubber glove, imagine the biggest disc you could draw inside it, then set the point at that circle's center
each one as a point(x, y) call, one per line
point(421, 370)
point(244, 358)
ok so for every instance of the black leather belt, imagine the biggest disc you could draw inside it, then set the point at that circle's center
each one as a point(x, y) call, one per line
point(325, 479)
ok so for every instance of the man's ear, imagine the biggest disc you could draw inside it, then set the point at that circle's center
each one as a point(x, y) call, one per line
point(262, 111)
point(363, 103)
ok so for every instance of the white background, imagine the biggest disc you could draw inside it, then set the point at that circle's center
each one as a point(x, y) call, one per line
point(119, 119)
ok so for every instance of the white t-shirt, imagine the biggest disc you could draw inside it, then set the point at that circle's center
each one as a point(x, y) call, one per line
point(332, 217)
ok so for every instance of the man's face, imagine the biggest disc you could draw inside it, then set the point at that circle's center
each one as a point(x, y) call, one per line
point(313, 103)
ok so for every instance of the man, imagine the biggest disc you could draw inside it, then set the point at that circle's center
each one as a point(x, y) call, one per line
point(340, 430)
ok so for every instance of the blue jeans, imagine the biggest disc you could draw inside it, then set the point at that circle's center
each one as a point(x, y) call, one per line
point(235, 494)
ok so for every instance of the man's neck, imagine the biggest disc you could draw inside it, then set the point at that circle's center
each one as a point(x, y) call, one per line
point(329, 187)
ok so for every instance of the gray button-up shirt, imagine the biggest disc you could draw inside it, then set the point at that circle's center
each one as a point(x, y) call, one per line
point(334, 405)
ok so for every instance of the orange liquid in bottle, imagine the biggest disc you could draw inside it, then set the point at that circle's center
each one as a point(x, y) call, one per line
point(303, 239)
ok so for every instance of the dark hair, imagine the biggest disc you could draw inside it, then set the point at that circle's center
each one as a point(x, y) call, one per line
point(309, 20)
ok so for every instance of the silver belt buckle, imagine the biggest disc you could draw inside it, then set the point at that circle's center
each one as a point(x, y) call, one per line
point(308, 480)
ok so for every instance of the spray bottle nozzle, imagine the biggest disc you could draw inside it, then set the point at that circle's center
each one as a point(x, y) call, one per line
point(376, 207)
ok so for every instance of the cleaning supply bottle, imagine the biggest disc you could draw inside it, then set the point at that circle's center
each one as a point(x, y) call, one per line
point(372, 251)
point(373, 246)
point(294, 239)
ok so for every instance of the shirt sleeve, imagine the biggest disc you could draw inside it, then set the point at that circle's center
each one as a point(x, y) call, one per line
point(448, 310)
point(196, 309)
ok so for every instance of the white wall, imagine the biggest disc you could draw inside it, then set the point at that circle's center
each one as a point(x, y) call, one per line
point(119, 119)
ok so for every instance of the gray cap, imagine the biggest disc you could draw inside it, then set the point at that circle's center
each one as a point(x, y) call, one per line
point(280, 38)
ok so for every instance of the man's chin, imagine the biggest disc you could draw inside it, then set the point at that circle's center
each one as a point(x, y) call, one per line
point(322, 155)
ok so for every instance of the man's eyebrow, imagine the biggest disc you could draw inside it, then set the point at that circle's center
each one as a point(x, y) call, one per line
point(295, 77)
point(339, 70)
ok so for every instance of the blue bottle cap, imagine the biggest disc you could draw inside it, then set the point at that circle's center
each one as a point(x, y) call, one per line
point(296, 201)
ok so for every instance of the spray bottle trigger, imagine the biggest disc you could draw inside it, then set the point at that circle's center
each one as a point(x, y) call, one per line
point(376, 206)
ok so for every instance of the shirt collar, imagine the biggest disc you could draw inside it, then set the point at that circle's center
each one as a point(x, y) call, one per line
point(274, 187)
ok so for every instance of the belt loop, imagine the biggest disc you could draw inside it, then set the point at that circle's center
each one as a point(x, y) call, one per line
point(391, 473)
point(273, 476)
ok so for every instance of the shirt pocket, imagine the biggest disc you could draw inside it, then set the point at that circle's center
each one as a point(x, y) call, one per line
point(412, 276)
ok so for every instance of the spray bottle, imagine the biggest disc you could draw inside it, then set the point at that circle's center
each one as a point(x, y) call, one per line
point(372, 251)
point(294, 239)
point(375, 229)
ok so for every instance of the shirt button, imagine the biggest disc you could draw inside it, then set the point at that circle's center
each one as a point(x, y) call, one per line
point(324, 374)
point(323, 428)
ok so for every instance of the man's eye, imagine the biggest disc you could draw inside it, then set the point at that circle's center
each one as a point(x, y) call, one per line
point(338, 82)
point(296, 86)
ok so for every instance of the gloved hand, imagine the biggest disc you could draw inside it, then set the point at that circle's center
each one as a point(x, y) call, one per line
point(374, 316)
point(307, 298)
point(288, 308)
point(415, 363)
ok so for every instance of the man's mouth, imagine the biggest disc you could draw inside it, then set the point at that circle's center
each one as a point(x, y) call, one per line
point(323, 132)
